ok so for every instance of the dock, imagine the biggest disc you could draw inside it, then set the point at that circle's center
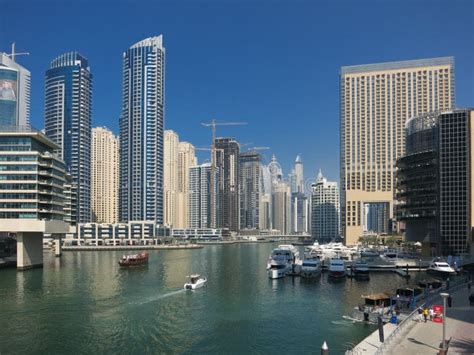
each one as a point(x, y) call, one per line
point(131, 247)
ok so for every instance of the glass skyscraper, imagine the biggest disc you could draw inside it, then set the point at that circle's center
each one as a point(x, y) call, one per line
point(68, 107)
point(14, 93)
point(141, 131)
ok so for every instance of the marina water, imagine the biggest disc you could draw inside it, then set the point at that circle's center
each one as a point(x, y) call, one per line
point(84, 303)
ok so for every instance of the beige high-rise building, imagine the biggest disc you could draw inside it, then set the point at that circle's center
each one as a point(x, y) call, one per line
point(105, 176)
point(170, 177)
point(281, 207)
point(376, 102)
point(178, 158)
point(186, 159)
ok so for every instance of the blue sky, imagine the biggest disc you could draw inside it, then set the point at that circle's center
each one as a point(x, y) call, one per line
point(273, 64)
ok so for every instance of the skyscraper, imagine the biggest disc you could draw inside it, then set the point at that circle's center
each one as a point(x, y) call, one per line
point(68, 109)
point(186, 159)
point(227, 160)
point(299, 178)
point(376, 101)
point(14, 93)
point(170, 180)
point(141, 131)
point(281, 207)
point(251, 188)
point(200, 208)
point(105, 175)
point(325, 212)
point(299, 213)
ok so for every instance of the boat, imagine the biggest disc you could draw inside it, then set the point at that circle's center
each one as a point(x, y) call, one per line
point(134, 260)
point(284, 260)
point(374, 305)
point(369, 253)
point(440, 267)
point(337, 268)
point(409, 295)
point(361, 270)
point(277, 266)
point(431, 284)
point(194, 281)
point(311, 267)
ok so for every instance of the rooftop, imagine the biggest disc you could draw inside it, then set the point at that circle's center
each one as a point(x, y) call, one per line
point(405, 64)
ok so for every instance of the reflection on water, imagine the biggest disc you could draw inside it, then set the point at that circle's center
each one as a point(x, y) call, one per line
point(83, 302)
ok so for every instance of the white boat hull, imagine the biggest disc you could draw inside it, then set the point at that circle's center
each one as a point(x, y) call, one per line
point(192, 286)
point(276, 273)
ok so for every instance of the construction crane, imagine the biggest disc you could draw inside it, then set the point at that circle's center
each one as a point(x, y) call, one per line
point(213, 124)
point(13, 54)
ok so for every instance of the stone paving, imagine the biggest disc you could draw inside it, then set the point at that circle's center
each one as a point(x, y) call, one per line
point(425, 338)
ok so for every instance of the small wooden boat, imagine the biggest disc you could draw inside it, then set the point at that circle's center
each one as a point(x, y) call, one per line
point(134, 260)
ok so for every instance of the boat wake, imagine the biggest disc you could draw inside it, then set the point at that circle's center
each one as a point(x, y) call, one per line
point(159, 297)
point(346, 321)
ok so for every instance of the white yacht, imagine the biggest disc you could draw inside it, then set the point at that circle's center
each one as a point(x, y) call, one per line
point(277, 266)
point(284, 260)
point(337, 268)
point(361, 270)
point(293, 258)
point(311, 267)
point(194, 281)
point(440, 267)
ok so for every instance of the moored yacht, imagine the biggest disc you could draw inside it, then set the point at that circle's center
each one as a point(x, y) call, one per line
point(361, 270)
point(440, 267)
point(292, 255)
point(337, 268)
point(277, 266)
point(311, 267)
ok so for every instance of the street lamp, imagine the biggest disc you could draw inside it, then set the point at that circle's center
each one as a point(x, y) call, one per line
point(445, 296)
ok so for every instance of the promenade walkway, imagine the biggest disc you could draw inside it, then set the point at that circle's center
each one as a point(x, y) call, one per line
point(425, 338)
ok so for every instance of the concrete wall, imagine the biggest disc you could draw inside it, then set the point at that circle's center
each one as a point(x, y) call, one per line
point(29, 250)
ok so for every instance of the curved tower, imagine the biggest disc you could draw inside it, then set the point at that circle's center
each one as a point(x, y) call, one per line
point(141, 131)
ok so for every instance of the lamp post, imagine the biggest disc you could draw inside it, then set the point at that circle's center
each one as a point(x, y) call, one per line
point(445, 296)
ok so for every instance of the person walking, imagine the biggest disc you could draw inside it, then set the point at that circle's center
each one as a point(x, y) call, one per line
point(425, 314)
point(420, 314)
point(450, 301)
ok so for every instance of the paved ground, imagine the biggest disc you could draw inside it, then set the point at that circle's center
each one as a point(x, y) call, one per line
point(425, 338)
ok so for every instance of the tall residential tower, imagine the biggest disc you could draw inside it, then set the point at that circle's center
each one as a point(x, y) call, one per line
point(376, 101)
point(68, 110)
point(105, 176)
point(141, 131)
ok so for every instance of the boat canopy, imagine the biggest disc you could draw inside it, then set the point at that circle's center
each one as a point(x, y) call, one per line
point(194, 276)
point(377, 296)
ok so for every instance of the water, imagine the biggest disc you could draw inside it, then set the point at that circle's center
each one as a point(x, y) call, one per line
point(84, 303)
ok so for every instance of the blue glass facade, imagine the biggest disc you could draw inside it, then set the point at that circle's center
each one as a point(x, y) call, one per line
point(141, 132)
point(68, 108)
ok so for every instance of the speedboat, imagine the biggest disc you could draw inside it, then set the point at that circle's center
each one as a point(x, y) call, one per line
point(361, 270)
point(194, 281)
point(440, 267)
point(311, 267)
point(337, 268)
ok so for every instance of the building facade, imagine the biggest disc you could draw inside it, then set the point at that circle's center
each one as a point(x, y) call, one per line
point(105, 175)
point(251, 188)
point(15, 87)
point(201, 212)
point(68, 110)
point(281, 207)
point(376, 102)
point(170, 178)
point(325, 214)
point(435, 179)
point(32, 196)
point(186, 159)
point(227, 161)
point(141, 132)
point(299, 213)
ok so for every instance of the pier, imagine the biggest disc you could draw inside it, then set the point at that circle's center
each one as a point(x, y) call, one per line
point(413, 336)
